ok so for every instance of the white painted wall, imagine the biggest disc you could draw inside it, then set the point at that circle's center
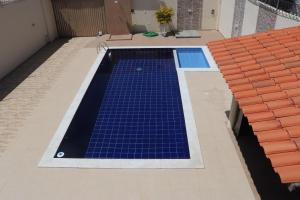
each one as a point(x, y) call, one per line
point(209, 20)
point(226, 17)
point(143, 17)
point(26, 26)
point(283, 22)
point(250, 18)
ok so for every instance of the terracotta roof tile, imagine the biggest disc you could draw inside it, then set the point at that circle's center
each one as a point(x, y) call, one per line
point(274, 96)
point(266, 125)
point(279, 147)
point(296, 100)
point(285, 112)
point(242, 87)
point(275, 68)
point(273, 135)
point(290, 121)
point(263, 72)
point(285, 159)
point(289, 174)
point(238, 81)
point(269, 89)
point(293, 131)
point(284, 79)
point(255, 108)
point(272, 105)
point(246, 93)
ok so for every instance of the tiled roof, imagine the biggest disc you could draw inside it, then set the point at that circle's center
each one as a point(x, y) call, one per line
point(263, 72)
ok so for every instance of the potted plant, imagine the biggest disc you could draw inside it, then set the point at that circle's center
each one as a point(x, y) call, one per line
point(164, 17)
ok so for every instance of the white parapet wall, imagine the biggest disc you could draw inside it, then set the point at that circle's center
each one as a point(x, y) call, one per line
point(256, 18)
point(250, 18)
point(226, 17)
point(26, 26)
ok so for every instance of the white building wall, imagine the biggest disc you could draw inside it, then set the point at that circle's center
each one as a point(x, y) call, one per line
point(250, 18)
point(226, 17)
point(283, 22)
point(143, 17)
point(25, 28)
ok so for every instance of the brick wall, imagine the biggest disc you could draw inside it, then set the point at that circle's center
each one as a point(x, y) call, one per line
point(189, 14)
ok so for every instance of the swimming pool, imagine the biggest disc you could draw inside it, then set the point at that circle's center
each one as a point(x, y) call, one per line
point(191, 58)
point(132, 111)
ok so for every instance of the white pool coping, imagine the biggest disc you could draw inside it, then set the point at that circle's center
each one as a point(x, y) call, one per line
point(211, 61)
point(195, 161)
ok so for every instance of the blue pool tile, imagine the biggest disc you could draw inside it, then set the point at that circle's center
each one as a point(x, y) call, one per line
point(192, 58)
point(141, 113)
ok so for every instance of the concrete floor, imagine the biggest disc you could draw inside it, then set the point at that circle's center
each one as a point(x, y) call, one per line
point(48, 90)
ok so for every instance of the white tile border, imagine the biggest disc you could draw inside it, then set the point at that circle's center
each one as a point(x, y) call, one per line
point(211, 62)
point(195, 161)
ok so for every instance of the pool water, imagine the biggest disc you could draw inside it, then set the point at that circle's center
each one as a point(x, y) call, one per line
point(192, 58)
point(131, 110)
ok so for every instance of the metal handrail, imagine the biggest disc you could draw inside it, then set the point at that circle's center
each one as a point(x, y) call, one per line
point(6, 2)
point(285, 8)
point(102, 45)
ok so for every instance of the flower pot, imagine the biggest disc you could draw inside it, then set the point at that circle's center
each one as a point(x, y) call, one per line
point(164, 28)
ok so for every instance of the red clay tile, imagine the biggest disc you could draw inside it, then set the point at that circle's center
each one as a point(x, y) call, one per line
point(275, 68)
point(289, 174)
point(261, 77)
point(224, 58)
point(250, 67)
point(279, 147)
point(279, 104)
point(297, 52)
point(261, 54)
point(274, 96)
point(232, 71)
point(255, 108)
point(243, 59)
point(226, 62)
point(290, 85)
point(254, 72)
point(284, 55)
point(290, 59)
point(296, 100)
point(292, 64)
point(273, 135)
point(265, 59)
point(271, 63)
point(285, 112)
point(285, 159)
point(228, 67)
point(293, 131)
point(234, 77)
point(247, 63)
point(285, 79)
point(246, 93)
point(238, 82)
point(297, 142)
point(242, 54)
point(269, 89)
point(250, 101)
point(263, 72)
point(280, 73)
point(266, 125)
point(290, 121)
point(242, 87)
point(293, 92)
point(265, 83)
point(261, 116)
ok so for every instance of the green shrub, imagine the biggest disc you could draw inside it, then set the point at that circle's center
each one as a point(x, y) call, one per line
point(164, 14)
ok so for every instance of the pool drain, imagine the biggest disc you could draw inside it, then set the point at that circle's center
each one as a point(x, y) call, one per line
point(139, 69)
point(60, 154)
